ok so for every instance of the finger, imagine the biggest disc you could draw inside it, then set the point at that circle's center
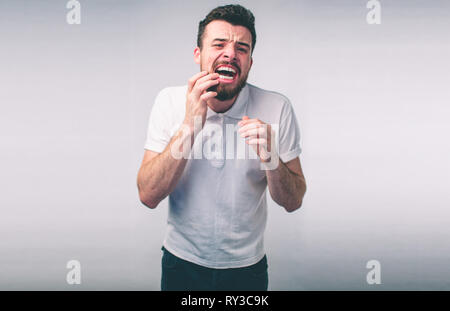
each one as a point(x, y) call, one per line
point(257, 141)
point(256, 132)
point(250, 126)
point(247, 121)
point(208, 77)
point(208, 95)
point(198, 90)
point(194, 78)
point(245, 118)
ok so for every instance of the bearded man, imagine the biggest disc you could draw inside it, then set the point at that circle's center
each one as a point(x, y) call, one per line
point(217, 204)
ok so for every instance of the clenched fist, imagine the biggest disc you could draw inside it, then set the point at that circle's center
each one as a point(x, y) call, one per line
point(259, 135)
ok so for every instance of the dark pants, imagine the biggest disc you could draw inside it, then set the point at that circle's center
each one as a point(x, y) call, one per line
point(182, 275)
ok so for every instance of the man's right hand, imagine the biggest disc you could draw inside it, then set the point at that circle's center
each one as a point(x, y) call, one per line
point(197, 95)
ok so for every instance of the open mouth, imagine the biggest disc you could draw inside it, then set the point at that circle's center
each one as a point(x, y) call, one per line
point(226, 73)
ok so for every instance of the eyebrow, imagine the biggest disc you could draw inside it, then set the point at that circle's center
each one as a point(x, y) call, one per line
point(226, 40)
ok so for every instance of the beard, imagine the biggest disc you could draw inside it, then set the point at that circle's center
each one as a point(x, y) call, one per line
point(227, 91)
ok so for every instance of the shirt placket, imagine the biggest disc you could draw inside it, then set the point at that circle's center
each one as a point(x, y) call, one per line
point(219, 160)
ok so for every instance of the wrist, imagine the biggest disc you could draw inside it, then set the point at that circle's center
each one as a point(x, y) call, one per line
point(193, 125)
point(271, 163)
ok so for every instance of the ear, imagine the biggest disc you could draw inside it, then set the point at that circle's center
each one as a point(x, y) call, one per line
point(251, 62)
point(197, 55)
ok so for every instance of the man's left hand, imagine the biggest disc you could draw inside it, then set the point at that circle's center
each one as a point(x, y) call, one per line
point(259, 135)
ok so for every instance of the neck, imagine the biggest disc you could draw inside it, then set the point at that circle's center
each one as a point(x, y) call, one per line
point(221, 106)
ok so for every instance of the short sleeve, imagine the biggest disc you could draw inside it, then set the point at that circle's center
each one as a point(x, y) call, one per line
point(289, 134)
point(158, 133)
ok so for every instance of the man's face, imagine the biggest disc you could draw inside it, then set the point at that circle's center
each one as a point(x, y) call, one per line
point(226, 49)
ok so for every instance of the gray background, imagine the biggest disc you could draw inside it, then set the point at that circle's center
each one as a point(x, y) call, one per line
point(373, 107)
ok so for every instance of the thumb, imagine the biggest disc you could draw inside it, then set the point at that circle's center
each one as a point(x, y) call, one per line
point(245, 118)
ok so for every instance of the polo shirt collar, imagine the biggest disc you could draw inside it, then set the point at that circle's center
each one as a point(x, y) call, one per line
point(237, 110)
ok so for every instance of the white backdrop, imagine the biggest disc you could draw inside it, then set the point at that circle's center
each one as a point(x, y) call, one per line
point(372, 103)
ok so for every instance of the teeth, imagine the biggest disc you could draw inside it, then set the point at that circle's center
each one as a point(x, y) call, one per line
point(227, 69)
point(225, 77)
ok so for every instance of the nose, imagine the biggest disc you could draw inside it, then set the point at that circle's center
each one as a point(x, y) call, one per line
point(230, 52)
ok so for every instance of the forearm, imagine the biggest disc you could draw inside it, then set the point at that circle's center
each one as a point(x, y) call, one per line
point(286, 187)
point(158, 177)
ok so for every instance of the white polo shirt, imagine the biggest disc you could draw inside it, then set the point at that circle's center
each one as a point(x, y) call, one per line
point(218, 210)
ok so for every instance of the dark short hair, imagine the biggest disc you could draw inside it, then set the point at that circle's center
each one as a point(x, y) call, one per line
point(234, 14)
